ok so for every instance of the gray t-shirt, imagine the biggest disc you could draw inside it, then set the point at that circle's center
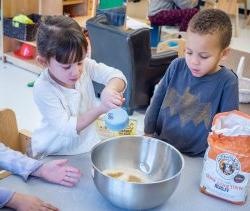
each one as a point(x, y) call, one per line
point(156, 6)
point(183, 106)
point(17, 163)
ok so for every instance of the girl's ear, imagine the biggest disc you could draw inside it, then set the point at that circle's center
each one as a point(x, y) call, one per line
point(225, 53)
point(41, 60)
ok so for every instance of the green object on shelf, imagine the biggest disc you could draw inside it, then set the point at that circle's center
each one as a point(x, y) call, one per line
point(107, 4)
point(23, 19)
point(31, 84)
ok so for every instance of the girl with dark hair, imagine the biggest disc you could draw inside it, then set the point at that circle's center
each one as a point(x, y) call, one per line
point(64, 92)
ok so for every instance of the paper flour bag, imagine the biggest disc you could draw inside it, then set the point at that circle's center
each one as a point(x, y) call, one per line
point(226, 167)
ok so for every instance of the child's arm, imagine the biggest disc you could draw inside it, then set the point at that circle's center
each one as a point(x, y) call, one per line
point(17, 163)
point(5, 196)
point(59, 172)
point(106, 75)
point(111, 97)
point(54, 109)
point(48, 100)
point(230, 96)
point(23, 202)
point(153, 110)
point(56, 171)
point(116, 84)
point(90, 116)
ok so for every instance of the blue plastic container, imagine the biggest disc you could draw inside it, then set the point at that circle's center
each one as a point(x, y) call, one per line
point(155, 34)
point(172, 44)
point(116, 119)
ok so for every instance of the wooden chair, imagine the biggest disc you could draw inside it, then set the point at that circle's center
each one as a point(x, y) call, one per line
point(10, 136)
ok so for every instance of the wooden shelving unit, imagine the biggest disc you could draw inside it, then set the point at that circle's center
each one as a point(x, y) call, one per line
point(59, 7)
point(10, 8)
point(33, 43)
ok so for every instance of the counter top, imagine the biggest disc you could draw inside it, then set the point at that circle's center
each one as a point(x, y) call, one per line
point(85, 196)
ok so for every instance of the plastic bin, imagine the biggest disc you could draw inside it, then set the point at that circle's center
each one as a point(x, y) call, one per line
point(26, 32)
point(155, 34)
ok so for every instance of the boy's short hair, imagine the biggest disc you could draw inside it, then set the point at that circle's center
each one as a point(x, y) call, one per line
point(210, 21)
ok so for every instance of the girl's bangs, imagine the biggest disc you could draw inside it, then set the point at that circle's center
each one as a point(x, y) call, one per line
point(70, 50)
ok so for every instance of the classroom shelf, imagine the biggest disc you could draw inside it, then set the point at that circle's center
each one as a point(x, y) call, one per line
point(33, 43)
point(10, 8)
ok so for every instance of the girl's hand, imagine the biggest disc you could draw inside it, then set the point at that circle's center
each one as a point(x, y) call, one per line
point(23, 202)
point(59, 172)
point(110, 98)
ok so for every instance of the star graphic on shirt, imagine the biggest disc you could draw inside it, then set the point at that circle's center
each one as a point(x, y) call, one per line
point(188, 107)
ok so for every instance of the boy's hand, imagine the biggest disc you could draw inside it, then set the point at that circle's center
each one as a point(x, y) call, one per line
point(57, 171)
point(110, 98)
point(22, 202)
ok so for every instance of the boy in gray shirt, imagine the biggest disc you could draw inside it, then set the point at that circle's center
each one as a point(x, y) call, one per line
point(196, 87)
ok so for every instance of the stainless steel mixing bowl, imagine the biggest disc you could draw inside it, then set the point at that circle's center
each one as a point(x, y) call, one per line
point(159, 161)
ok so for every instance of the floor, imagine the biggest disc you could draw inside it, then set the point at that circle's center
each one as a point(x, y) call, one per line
point(15, 94)
point(242, 41)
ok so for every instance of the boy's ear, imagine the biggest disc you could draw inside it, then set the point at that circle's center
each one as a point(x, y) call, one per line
point(225, 53)
point(41, 60)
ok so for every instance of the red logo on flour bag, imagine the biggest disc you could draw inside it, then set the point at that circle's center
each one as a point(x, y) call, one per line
point(226, 167)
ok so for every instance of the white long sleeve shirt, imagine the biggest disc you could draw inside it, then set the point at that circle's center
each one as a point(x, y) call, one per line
point(60, 107)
